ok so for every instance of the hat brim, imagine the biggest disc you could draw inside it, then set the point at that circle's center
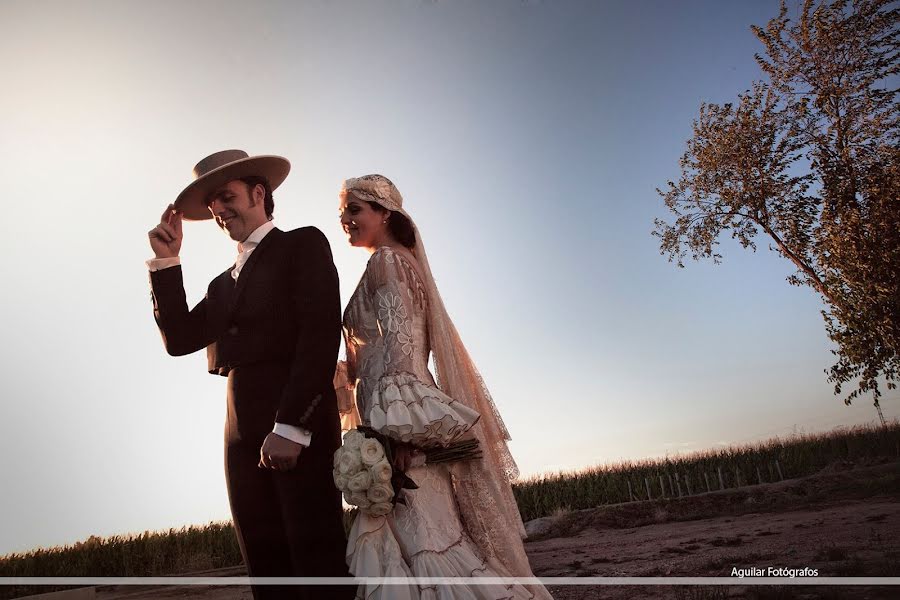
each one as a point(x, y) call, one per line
point(192, 200)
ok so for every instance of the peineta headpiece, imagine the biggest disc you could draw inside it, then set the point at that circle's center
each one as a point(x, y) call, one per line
point(374, 188)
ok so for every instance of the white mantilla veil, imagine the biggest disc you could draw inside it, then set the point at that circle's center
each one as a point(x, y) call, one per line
point(483, 492)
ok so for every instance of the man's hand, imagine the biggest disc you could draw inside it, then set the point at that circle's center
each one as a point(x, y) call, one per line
point(278, 453)
point(165, 238)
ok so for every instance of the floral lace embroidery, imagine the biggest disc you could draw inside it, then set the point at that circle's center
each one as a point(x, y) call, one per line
point(391, 312)
point(405, 337)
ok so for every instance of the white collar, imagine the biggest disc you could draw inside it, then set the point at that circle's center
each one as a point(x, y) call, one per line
point(256, 237)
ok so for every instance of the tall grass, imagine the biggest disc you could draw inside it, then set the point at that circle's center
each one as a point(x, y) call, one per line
point(146, 554)
point(215, 546)
point(796, 456)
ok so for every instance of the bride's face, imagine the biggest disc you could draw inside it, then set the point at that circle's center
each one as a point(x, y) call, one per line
point(364, 226)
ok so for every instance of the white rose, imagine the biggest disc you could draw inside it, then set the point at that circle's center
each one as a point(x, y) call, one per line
point(337, 457)
point(380, 492)
point(359, 499)
point(340, 480)
point(350, 463)
point(352, 439)
point(381, 471)
point(379, 509)
point(360, 482)
point(371, 451)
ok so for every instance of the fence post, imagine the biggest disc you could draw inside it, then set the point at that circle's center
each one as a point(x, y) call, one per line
point(677, 484)
point(647, 485)
point(737, 477)
point(662, 487)
point(706, 479)
point(758, 475)
point(630, 495)
point(721, 479)
point(671, 485)
point(778, 466)
point(687, 483)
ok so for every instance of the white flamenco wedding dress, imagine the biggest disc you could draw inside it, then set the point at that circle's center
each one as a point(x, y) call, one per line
point(462, 520)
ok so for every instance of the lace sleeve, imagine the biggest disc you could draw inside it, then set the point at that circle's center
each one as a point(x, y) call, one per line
point(404, 406)
point(343, 390)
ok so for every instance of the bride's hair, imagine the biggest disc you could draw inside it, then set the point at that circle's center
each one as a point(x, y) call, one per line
point(399, 226)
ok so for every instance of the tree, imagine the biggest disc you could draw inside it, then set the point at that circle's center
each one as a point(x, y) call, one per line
point(811, 159)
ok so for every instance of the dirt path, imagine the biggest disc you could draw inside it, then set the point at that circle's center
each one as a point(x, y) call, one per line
point(844, 521)
point(848, 540)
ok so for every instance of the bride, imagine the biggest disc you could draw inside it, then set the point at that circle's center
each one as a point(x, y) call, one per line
point(462, 521)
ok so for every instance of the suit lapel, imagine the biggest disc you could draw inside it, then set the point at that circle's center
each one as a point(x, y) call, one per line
point(250, 265)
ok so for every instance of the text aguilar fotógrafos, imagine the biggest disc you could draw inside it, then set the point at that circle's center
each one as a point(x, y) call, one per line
point(774, 572)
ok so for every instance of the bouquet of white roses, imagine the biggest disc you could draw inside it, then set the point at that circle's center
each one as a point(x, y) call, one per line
point(363, 473)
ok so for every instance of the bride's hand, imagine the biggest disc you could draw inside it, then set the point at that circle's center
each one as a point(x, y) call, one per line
point(402, 457)
point(407, 457)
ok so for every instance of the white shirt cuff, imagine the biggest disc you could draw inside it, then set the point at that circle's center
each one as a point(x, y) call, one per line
point(158, 264)
point(295, 434)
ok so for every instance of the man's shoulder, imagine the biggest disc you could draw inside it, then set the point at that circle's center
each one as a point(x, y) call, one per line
point(306, 235)
point(305, 231)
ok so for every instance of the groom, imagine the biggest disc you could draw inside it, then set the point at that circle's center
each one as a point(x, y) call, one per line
point(271, 325)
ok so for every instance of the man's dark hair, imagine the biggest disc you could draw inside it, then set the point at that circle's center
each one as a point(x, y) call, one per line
point(269, 202)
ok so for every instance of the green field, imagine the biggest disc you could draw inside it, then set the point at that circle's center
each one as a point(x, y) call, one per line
point(764, 462)
point(214, 545)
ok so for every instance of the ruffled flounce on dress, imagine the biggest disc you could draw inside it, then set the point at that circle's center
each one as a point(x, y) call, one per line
point(423, 538)
point(405, 409)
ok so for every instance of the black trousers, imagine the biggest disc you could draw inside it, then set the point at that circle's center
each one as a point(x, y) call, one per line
point(289, 524)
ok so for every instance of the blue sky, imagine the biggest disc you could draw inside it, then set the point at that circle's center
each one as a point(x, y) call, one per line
point(527, 138)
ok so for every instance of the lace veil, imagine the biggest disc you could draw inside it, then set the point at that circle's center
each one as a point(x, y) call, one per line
point(483, 491)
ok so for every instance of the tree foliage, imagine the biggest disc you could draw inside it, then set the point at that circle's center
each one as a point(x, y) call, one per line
point(810, 157)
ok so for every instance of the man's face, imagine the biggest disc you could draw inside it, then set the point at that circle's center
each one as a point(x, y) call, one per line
point(237, 209)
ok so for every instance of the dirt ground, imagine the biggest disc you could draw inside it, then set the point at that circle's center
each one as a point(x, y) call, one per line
point(843, 521)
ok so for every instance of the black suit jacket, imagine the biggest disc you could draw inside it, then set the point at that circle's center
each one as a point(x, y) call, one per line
point(284, 308)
